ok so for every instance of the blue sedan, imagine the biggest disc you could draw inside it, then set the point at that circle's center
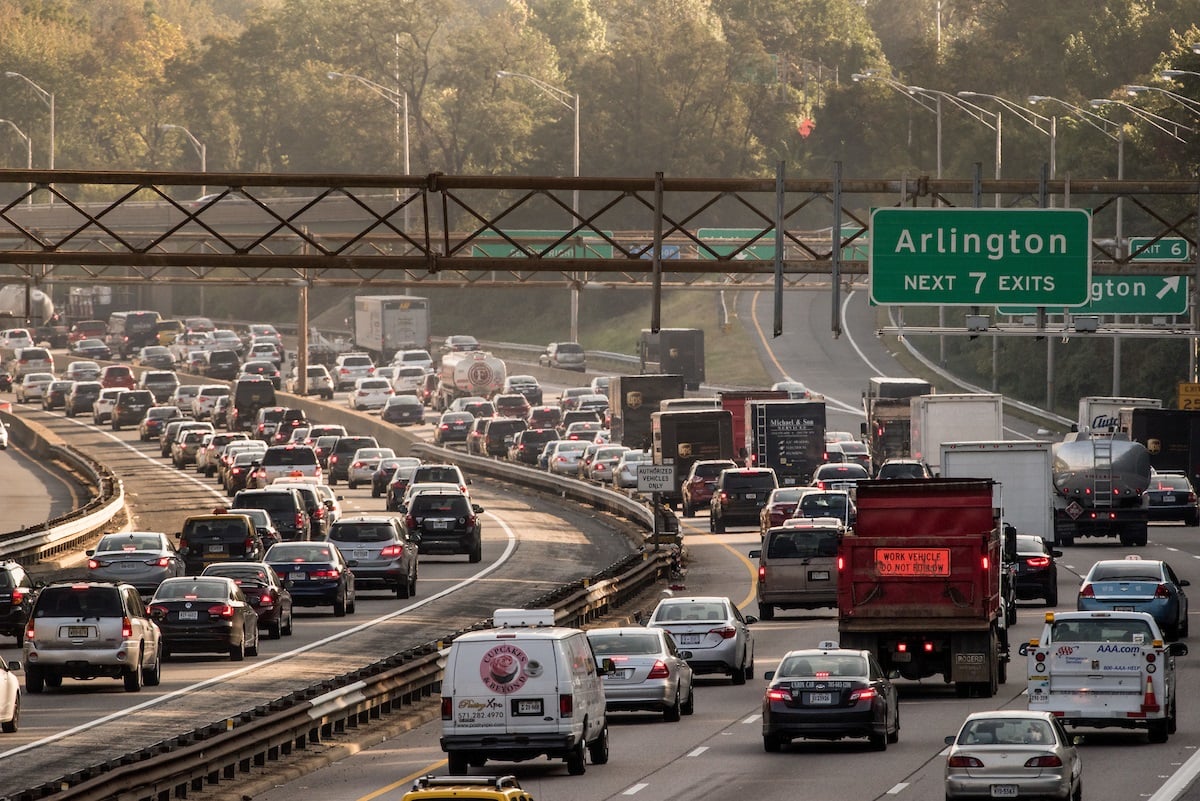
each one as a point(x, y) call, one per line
point(319, 574)
point(1134, 584)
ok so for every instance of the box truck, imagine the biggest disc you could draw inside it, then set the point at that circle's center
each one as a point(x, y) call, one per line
point(955, 417)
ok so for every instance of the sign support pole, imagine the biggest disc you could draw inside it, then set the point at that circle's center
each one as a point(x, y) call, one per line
point(656, 499)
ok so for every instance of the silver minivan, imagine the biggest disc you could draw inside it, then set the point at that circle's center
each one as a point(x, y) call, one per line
point(797, 565)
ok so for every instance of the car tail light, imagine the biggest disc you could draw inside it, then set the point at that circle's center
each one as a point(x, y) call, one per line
point(725, 631)
point(444, 427)
point(162, 561)
point(410, 522)
point(447, 707)
point(863, 694)
point(266, 599)
point(964, 762)
point(93, 564)
point(157, 609)
point(1162, 591)
point(820, 485)
point(392, 551)
point(325, 574)
point(566, 705)
point(17, 596)
point(126, 628)
point(778, 694)
point(1046, 761)
point(221, 610)
point(659, 671)
point(299, 519)
point(762, 574)
point(724, 496)
point(319, 513)
point(1086, 591)
point(1038, 561)
point(30, 631)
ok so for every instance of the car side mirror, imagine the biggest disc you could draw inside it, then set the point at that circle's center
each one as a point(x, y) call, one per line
point(1184, 583)
point(1056, 554)
point(949, 739)
point(770, 674)
point(607, 666)
point(476, 508)
point(14, 666)
point(750, 619)
point(89, 553)
point(1023, 649)
point(755, 554)
point(1177, 649)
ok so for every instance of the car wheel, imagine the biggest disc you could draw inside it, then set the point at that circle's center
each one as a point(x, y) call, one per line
point(275, 630)
point(476, 554)
point(374, 491)
point(771, 744)
point(598, 748)
point(1172, 719)
point(1192, 520)
point(287, 628)
point(1158, 731)
point(1078, 794)
point(412, 583)
point(879, 741)
point(35, 680)
point(332, 480)
point(688, 707)
point(10, 726)
point(718, 526)
point(152, 675)
point(738, 675)
point(339, 606)
point(116, 427)
point(133, 678)
point(252, 650)
point(403, 588)
point(457, 763)
point(688, 511)
point(576, 764)
point(237, 651)
point(352, 485)
point(672, 713)
point(894, 736)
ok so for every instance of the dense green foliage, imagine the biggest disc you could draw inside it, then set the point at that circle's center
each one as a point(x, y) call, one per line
point(709, 88)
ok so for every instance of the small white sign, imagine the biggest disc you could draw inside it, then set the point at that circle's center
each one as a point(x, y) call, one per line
point(656, 477)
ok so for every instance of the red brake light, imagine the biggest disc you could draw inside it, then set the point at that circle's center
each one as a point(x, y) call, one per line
point(726, 632)
point(221, 610)
point(778, 694)
point(659, 671)
point(162, 561)
point(18, 596)
point(964, 762)
point(1162, 591)
point(1047, 761)
point(762, 573)
point(447, 707)
point(94, 565)
point(267, 598)
point(1038, 561)
point(392, 550)
point(325, 574)
point(1086, 591)
point(566, 705)
point(126, 628)
point(863, 694)
point(410, 521)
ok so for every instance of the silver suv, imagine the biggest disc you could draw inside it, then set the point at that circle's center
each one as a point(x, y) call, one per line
point(350, 367)
point(318, 382)
point(85, 630)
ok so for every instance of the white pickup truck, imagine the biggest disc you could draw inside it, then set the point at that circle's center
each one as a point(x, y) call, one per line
point(1102, 669)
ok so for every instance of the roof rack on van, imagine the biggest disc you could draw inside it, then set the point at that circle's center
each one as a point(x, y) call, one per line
point(522, 618)
point(498, 782)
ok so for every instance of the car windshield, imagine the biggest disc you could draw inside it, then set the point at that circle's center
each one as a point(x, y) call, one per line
point(786, 495)
point(362, 532)
point(1006, 731)
point(1101, 630)
point(740, 481)
point(271, 501)
point(1171, 483)
point(822, 665)
point(639, 643)
point(289, 456)
point(428, 504)
point(299, 552)
point(130, 542)
point(822, 505)
point(192, 589)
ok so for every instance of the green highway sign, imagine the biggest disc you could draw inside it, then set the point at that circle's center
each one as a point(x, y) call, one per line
point(1169, 248)
point(1125, 294)
point(980, 257)
point(763, 248)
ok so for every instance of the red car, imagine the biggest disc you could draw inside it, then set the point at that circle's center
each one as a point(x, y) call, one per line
point(117, 375)
point(697, 488)
point(781, 505)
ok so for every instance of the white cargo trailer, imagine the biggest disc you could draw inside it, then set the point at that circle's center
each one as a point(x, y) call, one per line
point(953, 417)
point(1021, 469)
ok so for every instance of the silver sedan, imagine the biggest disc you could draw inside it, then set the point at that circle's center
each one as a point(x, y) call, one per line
point(1013, 753)
point(650, 672)
point(713, 630)
point(141, 558)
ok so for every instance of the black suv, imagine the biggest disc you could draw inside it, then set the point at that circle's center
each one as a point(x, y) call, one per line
point(247, 397)
point(739, 496)
point(17, 593)
point(498, 434)
point(342, 453)
point(208, 539)
point(223, 364)
point(161, 383)
point(446, 523)
point(527, 445)
point(131, 407)
point(284, 505)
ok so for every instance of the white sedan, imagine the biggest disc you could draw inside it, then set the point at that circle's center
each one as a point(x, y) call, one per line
point(10, 696)
point(365, 462)
point(370, 394)
point(33, 386)
point(3, 437)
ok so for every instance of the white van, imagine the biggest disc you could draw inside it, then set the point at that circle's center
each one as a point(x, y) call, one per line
point(523, 689)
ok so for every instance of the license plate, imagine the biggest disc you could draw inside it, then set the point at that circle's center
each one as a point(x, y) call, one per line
point(532, 706)
point(1004, 791)
point(439, 525)
point(1168, 499)
point(691, 639)
point(77, 631)
point(361, 554)
point(215, 548)
point(820, 698)
point(818, 575)
point(297, 576)
point(1122, 608)
point(193, 615)
point(750, 496)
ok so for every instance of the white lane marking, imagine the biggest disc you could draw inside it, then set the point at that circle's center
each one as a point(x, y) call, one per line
point(753, 718)
point(1169, 548)
point(899, 788)
point(698, 751)
point(635, 789)
point(509, 549)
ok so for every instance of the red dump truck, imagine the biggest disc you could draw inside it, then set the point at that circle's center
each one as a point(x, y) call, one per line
point(919, 582)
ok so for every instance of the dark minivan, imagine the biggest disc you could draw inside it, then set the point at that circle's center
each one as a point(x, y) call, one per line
point(131, 407)
point(223, 364)
point(498, 434)
point(739, 496)
point(285, 506)
point(247, 397)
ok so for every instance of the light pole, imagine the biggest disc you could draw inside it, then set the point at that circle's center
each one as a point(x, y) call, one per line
point(399, 100)
point(980, 114)
point(570, 101)
point(1133, 90)
point(201, 149)
point(1040, 122)
point(48, 99)
point(1156, 120)
point(28, 155)
point(921, 100)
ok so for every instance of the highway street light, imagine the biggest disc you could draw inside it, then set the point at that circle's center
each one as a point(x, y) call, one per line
point(570, 101)
point(981, 115)
point(28, 154)
point(921, 100)
point(1153, 119)
point(1136, 89)
point(1167, 75)
point(1040, 122)
point(48, 99)
point(201, 149)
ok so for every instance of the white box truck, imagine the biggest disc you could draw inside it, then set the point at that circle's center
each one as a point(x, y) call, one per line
point(384, 324)
point(953, 417)
point(1021, 469)
point(1102, 414)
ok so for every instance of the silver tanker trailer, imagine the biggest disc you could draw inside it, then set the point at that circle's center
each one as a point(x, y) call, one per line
point(1099, 488)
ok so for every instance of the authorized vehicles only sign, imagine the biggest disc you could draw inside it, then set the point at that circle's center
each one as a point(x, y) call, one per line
point(980, 257)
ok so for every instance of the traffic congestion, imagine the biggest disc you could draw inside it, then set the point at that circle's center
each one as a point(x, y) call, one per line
point(306, 521)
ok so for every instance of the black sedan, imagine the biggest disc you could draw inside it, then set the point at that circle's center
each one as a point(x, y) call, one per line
point(268, 594)
point(403, 410)
point(386, 471)
point(1037, 570)
point(264, 369)
point(55, 394)
point(829, 693)
point(453, 427)
point(92, 349)
point(205, 614)
point(1170, 496)
point(318, 573)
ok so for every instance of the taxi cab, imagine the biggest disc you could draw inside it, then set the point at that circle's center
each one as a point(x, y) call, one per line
point(475, 788)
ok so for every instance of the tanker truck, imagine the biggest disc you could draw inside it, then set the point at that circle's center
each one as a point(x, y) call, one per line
point(467, 373)
point(1099, 488)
